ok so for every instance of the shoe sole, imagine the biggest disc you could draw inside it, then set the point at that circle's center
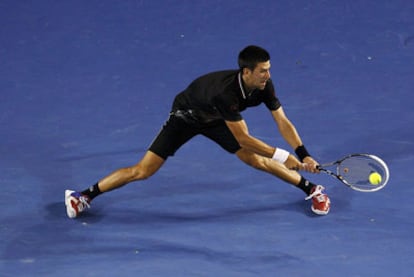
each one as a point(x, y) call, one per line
point(70, 211)
point(318, 212)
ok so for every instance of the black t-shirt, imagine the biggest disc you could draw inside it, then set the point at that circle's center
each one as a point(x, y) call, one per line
point(221, 96)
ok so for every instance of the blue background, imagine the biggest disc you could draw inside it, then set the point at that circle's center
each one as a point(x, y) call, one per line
point(86, 85)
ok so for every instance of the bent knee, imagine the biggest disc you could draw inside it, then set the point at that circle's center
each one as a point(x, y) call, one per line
point(252, 159)
point(139, 172)
point(258, 162)
point(149, 164)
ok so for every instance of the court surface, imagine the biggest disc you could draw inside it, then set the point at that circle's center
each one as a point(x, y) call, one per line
point(86, 85)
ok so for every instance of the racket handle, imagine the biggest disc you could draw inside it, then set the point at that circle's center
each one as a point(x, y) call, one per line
point(298, 168)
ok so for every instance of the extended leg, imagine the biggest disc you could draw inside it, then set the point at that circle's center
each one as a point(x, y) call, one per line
point(320, 201)
point(268, 165)
point(77, 202)
point(148, 165)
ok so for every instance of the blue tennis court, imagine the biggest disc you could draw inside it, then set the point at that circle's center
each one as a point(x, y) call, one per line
point(86, 85)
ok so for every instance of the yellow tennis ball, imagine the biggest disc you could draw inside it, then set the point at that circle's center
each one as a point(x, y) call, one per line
point(375, 178)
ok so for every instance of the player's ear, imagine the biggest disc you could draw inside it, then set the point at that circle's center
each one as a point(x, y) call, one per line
point(246, 71)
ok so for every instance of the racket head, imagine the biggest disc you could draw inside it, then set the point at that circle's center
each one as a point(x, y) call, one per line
point(354, 170)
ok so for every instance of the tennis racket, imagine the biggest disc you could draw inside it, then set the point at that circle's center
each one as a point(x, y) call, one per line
point(355, 171)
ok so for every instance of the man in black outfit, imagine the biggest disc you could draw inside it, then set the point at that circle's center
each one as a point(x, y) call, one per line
point(211, 106)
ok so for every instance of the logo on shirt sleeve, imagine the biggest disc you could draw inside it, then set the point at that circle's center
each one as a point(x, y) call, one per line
point(234, 108)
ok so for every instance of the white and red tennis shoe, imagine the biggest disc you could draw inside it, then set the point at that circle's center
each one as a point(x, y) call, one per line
point(321, 203)
point(76, 203)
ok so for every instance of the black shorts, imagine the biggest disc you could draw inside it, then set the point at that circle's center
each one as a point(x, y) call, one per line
point(179, 128)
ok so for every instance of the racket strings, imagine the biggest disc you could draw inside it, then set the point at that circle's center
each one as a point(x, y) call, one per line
point(356, 171)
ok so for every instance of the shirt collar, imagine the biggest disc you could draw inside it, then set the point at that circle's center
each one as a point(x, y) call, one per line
point(241, 85)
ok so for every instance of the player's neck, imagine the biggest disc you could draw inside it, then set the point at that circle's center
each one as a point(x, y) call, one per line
point(247, 84)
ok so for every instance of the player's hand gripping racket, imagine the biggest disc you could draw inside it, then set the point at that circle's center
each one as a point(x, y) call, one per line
point(361, 172)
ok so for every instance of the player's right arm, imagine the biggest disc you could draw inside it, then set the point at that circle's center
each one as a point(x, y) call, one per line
point(241, 133)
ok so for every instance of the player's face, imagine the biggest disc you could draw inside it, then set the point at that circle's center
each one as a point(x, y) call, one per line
point(258, 78)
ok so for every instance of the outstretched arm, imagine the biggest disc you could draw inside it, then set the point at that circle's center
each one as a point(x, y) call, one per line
point(290, 134)
point(241, 133)
point(246, 141)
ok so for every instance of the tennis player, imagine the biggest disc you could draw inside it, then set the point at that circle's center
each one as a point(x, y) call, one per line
point(211, 106)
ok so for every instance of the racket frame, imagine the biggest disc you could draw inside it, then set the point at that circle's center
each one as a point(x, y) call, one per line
point(338, 176)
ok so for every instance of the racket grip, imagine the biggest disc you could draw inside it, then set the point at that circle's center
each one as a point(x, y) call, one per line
point(296, 168)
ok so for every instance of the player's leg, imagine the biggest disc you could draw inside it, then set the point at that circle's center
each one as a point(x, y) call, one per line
point(223, 136)
point(320, 201)
point(145, 168)
point(268, 165)
point(77, 202)
point(174, 133)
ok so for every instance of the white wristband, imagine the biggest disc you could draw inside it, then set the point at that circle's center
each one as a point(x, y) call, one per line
point(280, 155)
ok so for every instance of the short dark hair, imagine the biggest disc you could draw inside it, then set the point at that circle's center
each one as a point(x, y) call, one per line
point(250, 56)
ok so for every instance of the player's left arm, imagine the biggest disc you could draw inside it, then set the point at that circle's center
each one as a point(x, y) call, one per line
point(290, 134)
